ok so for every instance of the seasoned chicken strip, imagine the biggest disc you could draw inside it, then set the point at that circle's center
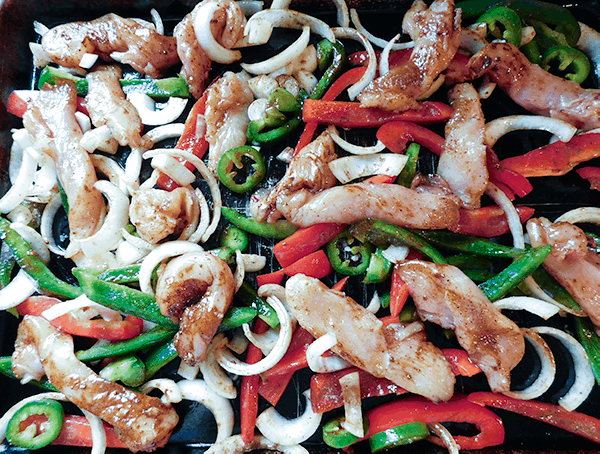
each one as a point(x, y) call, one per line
point(463, 162)
point(436, 33)
point(50, 119)
point(107, 105)
point(399, 353)
point(537, 90)
point(571, 263)
point(142, 422)
point(113, 38)
point(445, 296)
point(226, 115)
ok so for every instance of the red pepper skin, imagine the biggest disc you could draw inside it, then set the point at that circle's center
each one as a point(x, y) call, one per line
point(305, 241)
point(571, 421)
point(396, 135)
point(16, 105)
point(488, 221)
point(557, 158)
point(76, 431)
point(381, 179)
point(189, 141)
point(249, 389)
point(460, 363)
point(339, 285)
point(352, 115)
point(314, 265)
point(276, 277)
point(457, 409)
point(592, 174)
point(128, 328)
point(501, 175)
point(398, 294)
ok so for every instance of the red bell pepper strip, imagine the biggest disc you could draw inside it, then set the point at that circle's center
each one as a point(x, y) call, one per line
point(571, 421)
point(488, 221)
point(396, 135)
point(304, 241)
point(592, 174)
point(398, 294)
point(501, 175)
point(339, 285)
point(76, 431)
point(381, 179)
point(457, 409)
point(270, 278)
point(191, 140)
point(460, 362)
point(314, 265)
point(128, 328)
point(16, 105)
point(306, 137)
point(557, 158)
point(249, 389)
point(352, 115)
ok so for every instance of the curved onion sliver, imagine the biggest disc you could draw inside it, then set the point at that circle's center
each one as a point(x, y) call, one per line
point(351, 148)
point(21, 287)
point(353, 421)
point(446, 437)
point(173, 168)
point(511, 214)
point(34, 238)
point(98, 432)
point(112, 170)
point(294, 19)
point(99, 138)
point(384, 58)
point(145, 106)
point(236, 445)
point(317, 362)
point(373, 39)
point(349, 168)
point(171, 392)
point(23, 181)
point(213, 373)
point(375, 304)
point(240, 270)
point(536, 306)
point(289, 431)
point(197, 235)
point(369, 75)
point(209, 44)
point(265, 341)
point(582, 214)
point(589, 43)
point(220, 407)
point(503, 125)
point(231, 364)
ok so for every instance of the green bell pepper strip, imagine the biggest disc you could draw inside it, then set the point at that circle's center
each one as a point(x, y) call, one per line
point(43, 422)
point(332, 72)
point(348, 255)
point(129, 370)
point(590, 341)
point(382, 233)
point(571, 62)
point(379, 268)
point(158, 89)
point(410, 168)
point(528, 10)
point(249, 297)
point(224, 253)
point(121, 298)
point(468, 244)
point(501, 284)
point(284, 101)
point(279, 229)
point(470, 261)
point(29, 261)
point(324, 54)
point(478, 275)
point(555, 290)
point(256, 137)
point(532, 51)
point(236, 317)
point(234, 238)
point(503, 23)
point(155, 336)
point(123, 275)
point(403, 434)
point(335, 436)
point(6, 370)
point(159, 358)
point(238, 159)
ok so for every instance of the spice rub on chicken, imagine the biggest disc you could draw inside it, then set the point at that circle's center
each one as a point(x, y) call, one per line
point(400, 353)
point(436, 34)
point(444, 295)
point(142, 422)
point(112, 37)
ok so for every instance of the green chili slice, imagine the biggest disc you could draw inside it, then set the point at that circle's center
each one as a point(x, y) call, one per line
point(348, 255)
point(336, 436)
point(503, 23)
point(571, 62)
point(129, 370)
point(279, 229)
point(241, 162)
point(36, 424)
point(403, 434)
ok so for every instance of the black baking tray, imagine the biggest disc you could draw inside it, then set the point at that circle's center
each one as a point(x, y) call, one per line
point(197, 429)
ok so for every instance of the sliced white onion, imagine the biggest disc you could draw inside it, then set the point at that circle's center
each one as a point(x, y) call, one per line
point(156, 256)
point(584, 376)
point(100, 262)
point(384, 58)
point(512, 216)
point(446, 437)
point(486, 87)
point(236, 445)
point(98, 432)
point(321, 364)
point(158, 23)
point(373, 39)
point(343, 15)
point(40, 57)
point(212, 184)
point(151, 116)
point(197, 235)
point(583, 214)
point(281, 4)
point(286, 155)
point(100, 138)
point(128, 254)
point(254, 262)
point(367, 78)
point(16, 407)
point(137, 241)
point(18, 290)
point(256, 33)
point(503, 125)
point(198, 390)
point(256, 110)
point(133, 167)
point(589, 43)
point(307, 80)
point(239, 343)
point(209, 44)
point(240, 270)
point(163, 132)
point(214, 375)
point(535, 306)
point(374, 304)
point(250, 7)
point(289, 431)
point(351, 148)
point(231, 364)
point(395, 254)
point(88, 60)
point(108, 236)
point(288, 55)
point(353, 421)
point(23, 181)
point(20, 214)
point(34, 238)
point(171, 392)
point(173, 168)
point(84, 121)
point(188, 371)
point(547, 371)
point(113, 171)
point(265, 341)
point(295, 20)
point(350, 168)
point(81, 302)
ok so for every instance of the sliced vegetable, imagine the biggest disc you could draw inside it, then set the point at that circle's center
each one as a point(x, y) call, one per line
point(279, 229)
point(348, 255)
point(239, 163)
point(248, 296)
point(398, 294)
point(315, 265)
point(379, 268)
point(304, 241)
point(592, 174)
point(404, 434)
point(76, 431)
point(503, 23)
point(571, 62)
point(129, 370)
point(338, 59)
point(36, 424)
point(487, 221)
point(159, 357)
point(410, 168)
point(237, 316)
point(336, 436)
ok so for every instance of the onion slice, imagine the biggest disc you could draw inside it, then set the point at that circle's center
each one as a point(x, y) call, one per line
point(294, 19)
point(149, 115)
point(320, 364)
point(535, 306)
point(584, 377)
point(503, 125)
point(236, 445)
point(209, 44)
point(231, 364)
point(367, 78)
point(351, 148)
point(384, 58)
point(353, 422)
point(350, 168)
point(589, 43)
point(171, 392)
point(98, 432)
point(23, 181)
point(583, 214)
point(446, 437)
point(373, 39)
point(213, 373)
point(18, 290)
point(289, 431)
